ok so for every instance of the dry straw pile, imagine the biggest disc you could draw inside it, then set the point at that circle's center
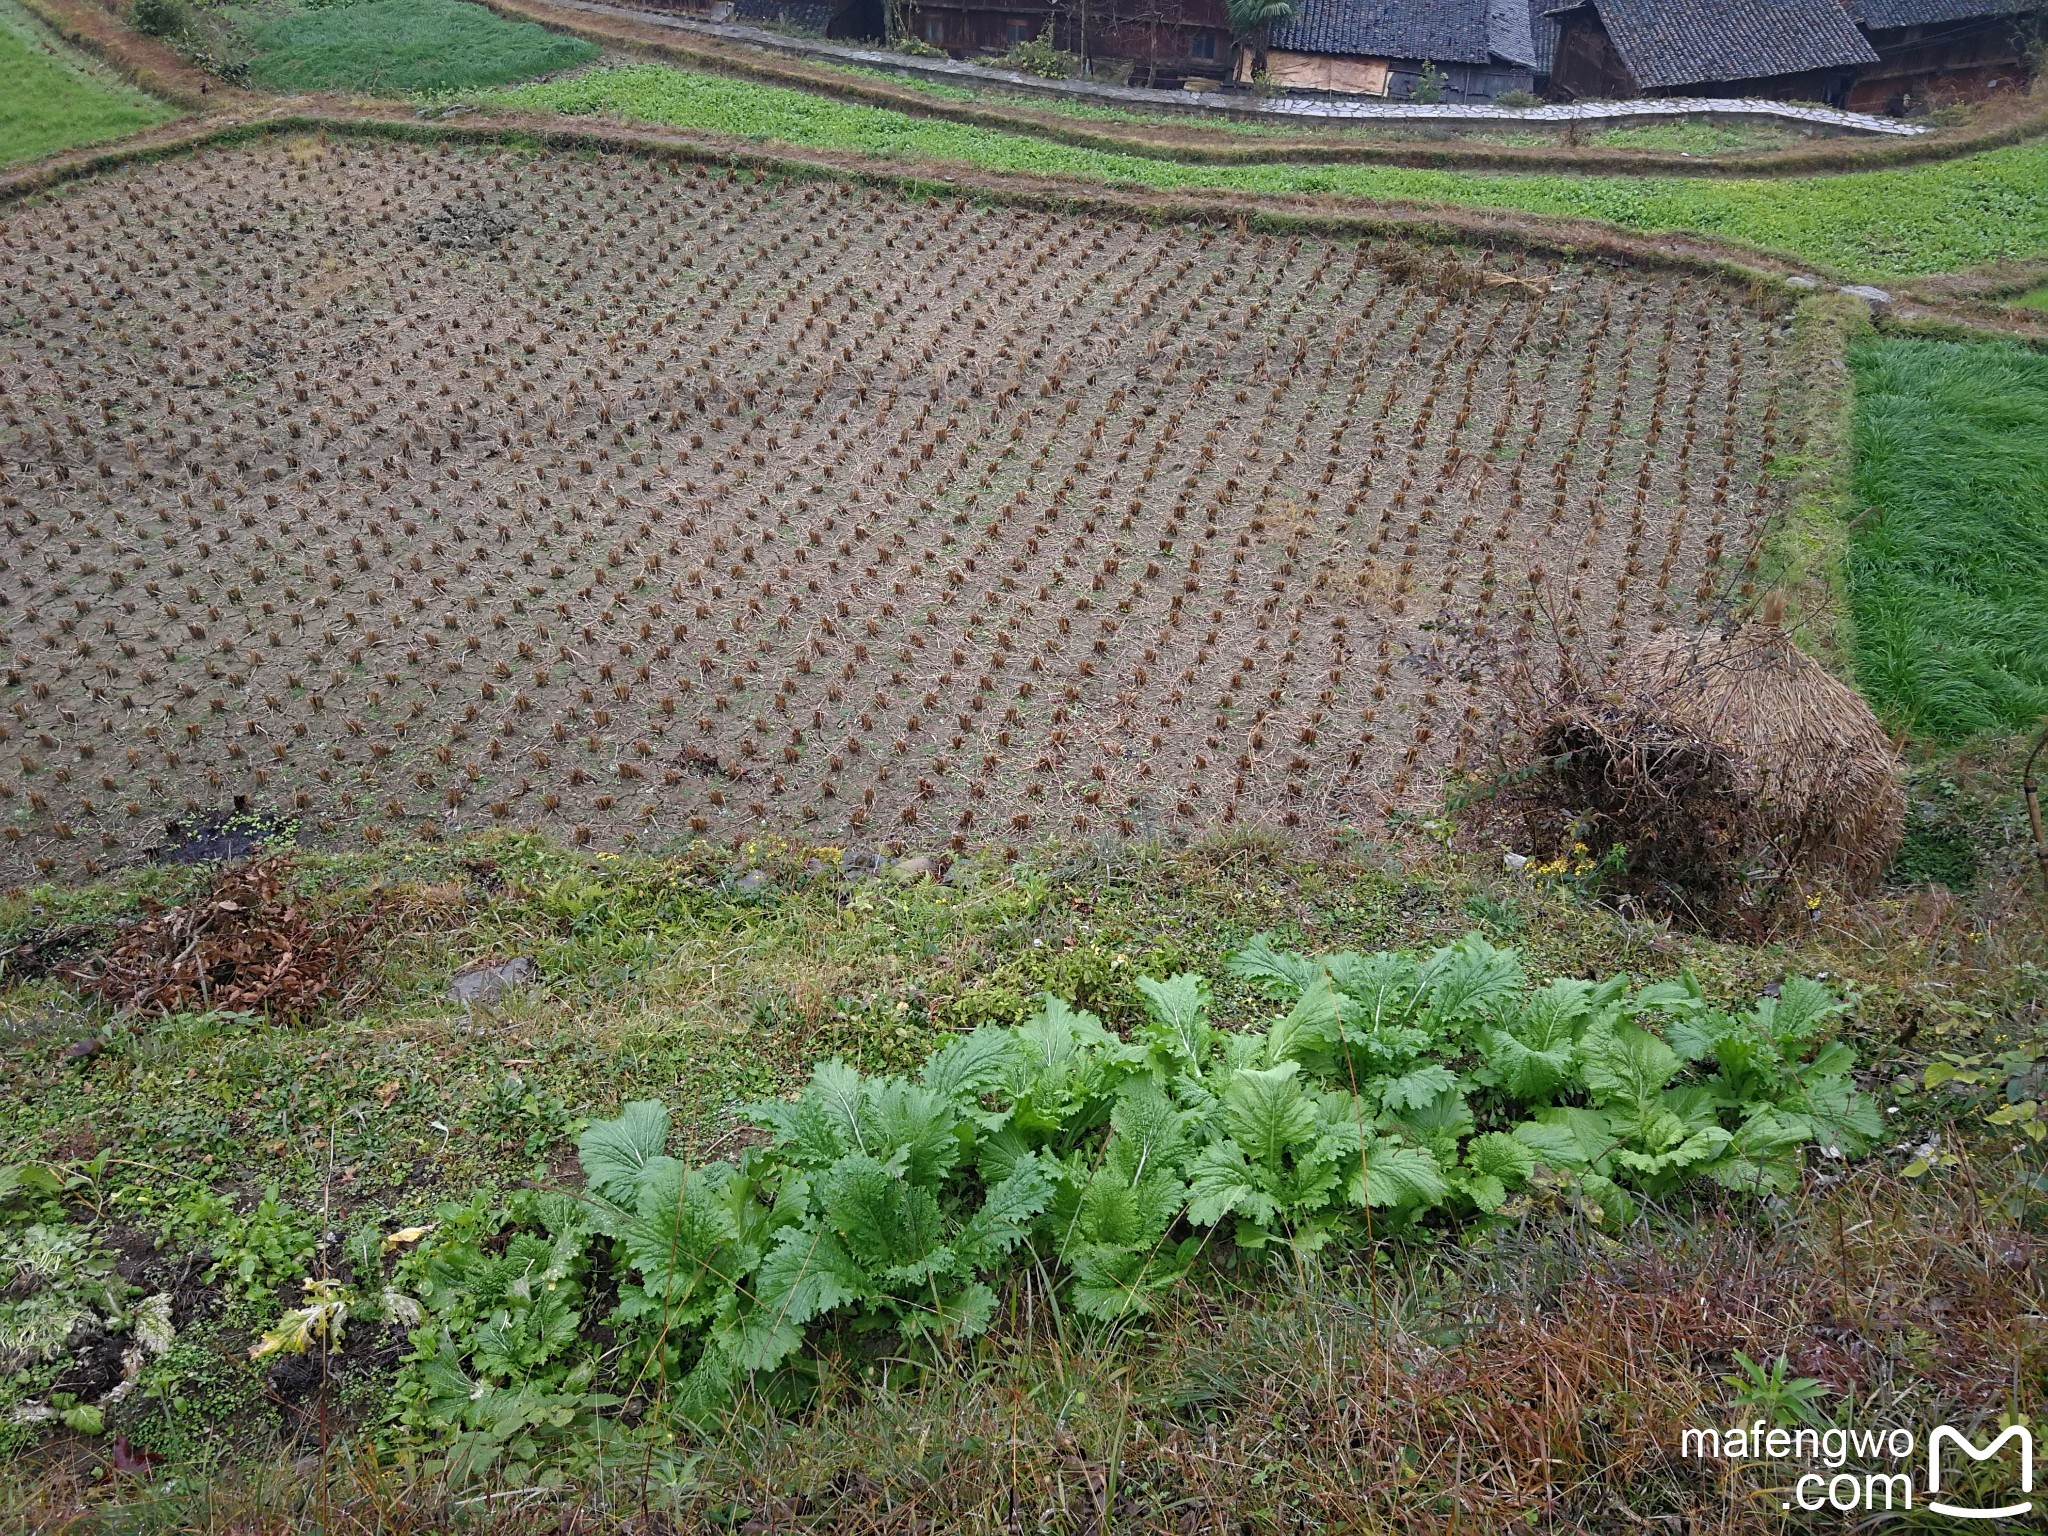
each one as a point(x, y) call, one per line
point(1732, 768)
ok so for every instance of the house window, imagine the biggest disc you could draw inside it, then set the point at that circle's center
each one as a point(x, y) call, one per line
point(934, 29)
point(1202, 45)
point(1015, 31)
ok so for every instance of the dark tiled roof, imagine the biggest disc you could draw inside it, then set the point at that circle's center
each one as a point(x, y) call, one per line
point(1880, 14)
point(1693, 42)
point(1446, 31)
point(1507, 31)
point(1542, 35)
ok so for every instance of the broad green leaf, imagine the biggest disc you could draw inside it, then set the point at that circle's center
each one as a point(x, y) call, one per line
point(1418, 1089)
point(1112, 1282)
point(1470, 978)
point(1383, 987)
point(684, 1239)
point(1533, 1047)
point(1058, 1032)
point(1801, 1006)
point(1486, 1191)
point(1148, 1135)
point(1267, 1113)
point(614, 1152)
point(1223, 1183)
point(1500, 1156)
point(887, 1222)
point(1625, 1065)
point(1279, 971)
point(1569, 1137)
point(963, 1069)
point(964, 1313)
point(910, 1122)
point(823, 1122)
point(805, 1275)
point(1440, 1123)
point(1005, 1217)
point(1395, 1175)
point(1177, 1015)
point(1309, 1027)
point(1841, 1117)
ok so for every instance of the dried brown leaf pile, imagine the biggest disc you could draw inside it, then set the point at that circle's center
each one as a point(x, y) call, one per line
point(249, 944)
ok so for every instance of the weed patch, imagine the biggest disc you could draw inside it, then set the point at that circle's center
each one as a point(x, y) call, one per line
point(714, 980)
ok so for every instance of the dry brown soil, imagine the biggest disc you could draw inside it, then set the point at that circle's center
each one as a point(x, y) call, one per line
point(447, 488)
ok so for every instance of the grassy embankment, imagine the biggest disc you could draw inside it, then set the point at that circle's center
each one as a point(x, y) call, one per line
point(1877, 225)
point(52, 98)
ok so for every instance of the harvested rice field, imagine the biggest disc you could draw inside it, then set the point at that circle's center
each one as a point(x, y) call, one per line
point(420, 490)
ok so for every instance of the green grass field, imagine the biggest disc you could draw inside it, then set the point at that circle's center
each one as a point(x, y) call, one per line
point(52, 99)
point(1948, 567)
point(393, 47)
point(1876, 225)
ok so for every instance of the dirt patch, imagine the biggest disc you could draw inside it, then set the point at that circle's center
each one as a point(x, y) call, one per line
point(472, 226)
point(699, 504)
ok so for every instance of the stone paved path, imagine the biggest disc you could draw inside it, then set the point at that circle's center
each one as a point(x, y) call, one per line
point(1219, 104)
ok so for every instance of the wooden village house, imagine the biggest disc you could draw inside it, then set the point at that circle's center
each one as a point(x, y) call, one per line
point(1474, 50)
point(1872, 55)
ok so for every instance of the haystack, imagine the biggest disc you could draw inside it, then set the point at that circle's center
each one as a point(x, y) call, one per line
point(1730, 764)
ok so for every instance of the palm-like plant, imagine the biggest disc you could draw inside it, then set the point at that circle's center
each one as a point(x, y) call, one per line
point(1251, 23)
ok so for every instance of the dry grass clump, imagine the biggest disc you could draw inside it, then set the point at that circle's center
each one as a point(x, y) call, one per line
point(1728, 767)
point(247, 945)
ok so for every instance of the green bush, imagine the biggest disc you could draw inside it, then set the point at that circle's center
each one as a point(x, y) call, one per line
point(159, 18)
point(1394, 1089)
point(1042, 57)
point(1517, 100)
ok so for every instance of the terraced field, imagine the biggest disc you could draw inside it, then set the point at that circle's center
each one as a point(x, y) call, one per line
point(417, 490)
